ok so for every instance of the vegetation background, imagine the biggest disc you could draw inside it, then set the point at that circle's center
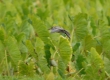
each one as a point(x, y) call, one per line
point(29, 52)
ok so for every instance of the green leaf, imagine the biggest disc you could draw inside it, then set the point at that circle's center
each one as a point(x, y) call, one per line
point(88, 42)
point(2, 34)
point(50, 76)
point(79, 63)
point(25, 9)
point(43, 65)
point(94, 66)
point(65, 50)
point(13, 50)
point(20, 37)
point(105, 36)
point(106, 45)
point(11, 27)
point(61, 68)
point(93, 25)
point(26, 69)
point(27, 29)
point(39, 43)
point(2, 51)
point(75, 47)
point(108, 17)
point(43, 13)
point(57, 11)
point(47, 54)
point(103, 29)
point(43, 60)
point(107, 65)
point(40, 29)
point(80, 26)
point(31, 49)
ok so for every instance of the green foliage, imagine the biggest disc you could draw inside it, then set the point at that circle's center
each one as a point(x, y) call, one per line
point(88, 43)
point(41, 30)
point(12, 50)
point(80, 26)
point(28, 51)
point(26, 69)
point(76, 46)
point(95, 66)
point(65, 50)
point(79, 63)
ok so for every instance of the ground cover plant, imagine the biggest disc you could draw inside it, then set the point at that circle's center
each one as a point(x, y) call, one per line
point(28, 51)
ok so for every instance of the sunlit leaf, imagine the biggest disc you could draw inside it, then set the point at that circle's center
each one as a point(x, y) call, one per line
point(80, 26)
point(40, 29)
point(50, 76)
point(31, 49)
point(13, 50)
point(107, 64)
point(95, 66)
point(43, 55)
point(27, 29)
point(61, 68)
point(26, 69)
point(65, 50)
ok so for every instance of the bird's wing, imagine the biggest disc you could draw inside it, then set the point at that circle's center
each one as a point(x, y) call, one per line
point(60, 30)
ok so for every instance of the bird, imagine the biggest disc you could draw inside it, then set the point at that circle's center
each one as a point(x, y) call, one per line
point(59, 30)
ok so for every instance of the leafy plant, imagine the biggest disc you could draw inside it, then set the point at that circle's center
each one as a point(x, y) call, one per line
point(29, 51)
